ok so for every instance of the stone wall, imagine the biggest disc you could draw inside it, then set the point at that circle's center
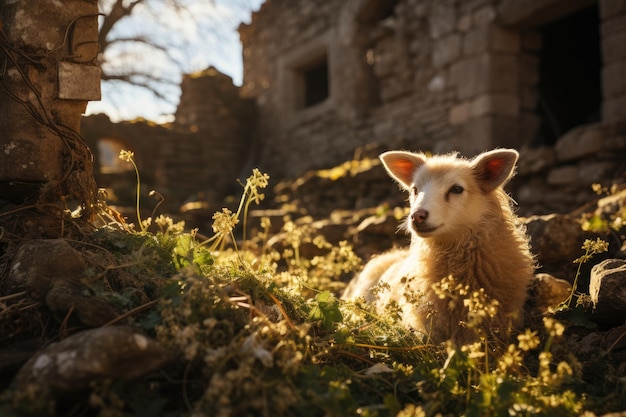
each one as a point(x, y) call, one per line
point(326, 80)
point(198, 158)
point(444, 75)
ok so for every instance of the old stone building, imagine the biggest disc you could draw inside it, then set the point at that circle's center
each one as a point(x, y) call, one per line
point(543, 76)
point(438, 75)
point(326, 77)
point(198, 158)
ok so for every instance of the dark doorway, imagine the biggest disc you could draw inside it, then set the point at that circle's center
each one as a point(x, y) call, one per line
point(569, 83)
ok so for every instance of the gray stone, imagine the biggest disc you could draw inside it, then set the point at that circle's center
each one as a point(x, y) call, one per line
point(563, 175)
point(614, 339)
point(613, 49)
point(442, 20)
point(547, 292)
point(556, 241)
point(534, 160)
point(476, 41)
point(446, 50)
point(51, 270)
point(115, 352)
point(613, 80)
point(579, 142)
point(607, 289)
point(613, 109)
point(595, 172)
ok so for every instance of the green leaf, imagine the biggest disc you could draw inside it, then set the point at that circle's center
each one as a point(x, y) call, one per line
point(325, 309)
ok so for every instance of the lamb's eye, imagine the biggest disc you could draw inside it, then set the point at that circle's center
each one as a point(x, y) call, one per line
point(456, 189)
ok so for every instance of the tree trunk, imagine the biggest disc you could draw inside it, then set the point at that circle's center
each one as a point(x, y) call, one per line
point(48, 73)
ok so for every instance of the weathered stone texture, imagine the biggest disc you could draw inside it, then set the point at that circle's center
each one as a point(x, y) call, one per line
point(441, 76)
point(429, 75)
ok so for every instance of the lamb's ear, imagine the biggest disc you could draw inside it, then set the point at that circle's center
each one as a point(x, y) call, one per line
point(494, 168)
point(402, 165)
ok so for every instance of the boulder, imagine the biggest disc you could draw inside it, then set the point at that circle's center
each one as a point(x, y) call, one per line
point(556, 240)
point(69, 366)
point(607, 289)
point(50, 270)
point(547, 292)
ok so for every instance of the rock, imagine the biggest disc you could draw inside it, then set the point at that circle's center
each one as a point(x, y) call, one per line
point(534, 160)
point(579, 142)
point(546, 292)
point(69, 366)
point(51, 270)
point(37, 263)
point(610, 205)
point(556, 240)
point(590, 343)
point(563, 175)
point(607, 289)
point(615, 339)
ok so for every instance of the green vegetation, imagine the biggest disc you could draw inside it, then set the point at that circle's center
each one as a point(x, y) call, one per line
point(258, 330)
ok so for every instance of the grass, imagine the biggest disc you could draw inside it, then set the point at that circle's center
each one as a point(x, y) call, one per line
point(258, 330)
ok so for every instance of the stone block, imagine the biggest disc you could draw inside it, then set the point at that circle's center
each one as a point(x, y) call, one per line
point(614, 48)
point(79, 81)
point(534, 160)
point(563, 175)
point(476, 41)
point(442, 20)
point(477, 135)
point(464, 23)
point(547, 291)
point(615, 24)
point(596, 172)
point(470, 75)
point(614, 109)
point(484, 16)
point(610, 8)
point(446, 50)
point(556, 240)
point(503, 73)
point(606, 288)
point(495, 104)
point(504, 40)
point(579, 142)
point(614, 79)
point(459, 114)
point(615, 142)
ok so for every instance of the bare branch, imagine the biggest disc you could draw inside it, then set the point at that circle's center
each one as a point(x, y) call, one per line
point(117, 13)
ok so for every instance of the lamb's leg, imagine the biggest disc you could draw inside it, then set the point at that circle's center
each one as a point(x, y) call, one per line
point(361, 285)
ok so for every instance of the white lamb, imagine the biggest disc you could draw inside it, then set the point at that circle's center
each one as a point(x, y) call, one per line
point(465, 245)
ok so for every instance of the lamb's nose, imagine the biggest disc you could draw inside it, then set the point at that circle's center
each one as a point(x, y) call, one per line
point(419, 216)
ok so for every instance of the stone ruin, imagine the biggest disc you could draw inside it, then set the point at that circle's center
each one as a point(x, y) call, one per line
point(326, 78)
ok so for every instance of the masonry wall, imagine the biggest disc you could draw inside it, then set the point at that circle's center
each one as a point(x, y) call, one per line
point(326, 81)
point(431, 75)
point(423, 74)
point(197, 159)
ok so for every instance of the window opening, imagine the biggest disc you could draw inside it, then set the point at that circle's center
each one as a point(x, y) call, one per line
point(108, 157)
point(316, 85)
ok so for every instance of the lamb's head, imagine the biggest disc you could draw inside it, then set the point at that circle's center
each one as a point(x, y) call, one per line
point(450, 195)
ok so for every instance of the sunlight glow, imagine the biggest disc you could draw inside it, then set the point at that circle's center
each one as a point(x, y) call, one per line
point(196, 35)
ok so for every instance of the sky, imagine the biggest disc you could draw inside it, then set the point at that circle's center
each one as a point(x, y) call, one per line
point(211, 40)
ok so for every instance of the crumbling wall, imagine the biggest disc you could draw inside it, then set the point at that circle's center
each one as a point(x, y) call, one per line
point(431, 75)
point(198, 158)
point(439, 76)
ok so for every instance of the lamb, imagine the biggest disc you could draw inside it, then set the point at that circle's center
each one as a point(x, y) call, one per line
point(466, 246)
